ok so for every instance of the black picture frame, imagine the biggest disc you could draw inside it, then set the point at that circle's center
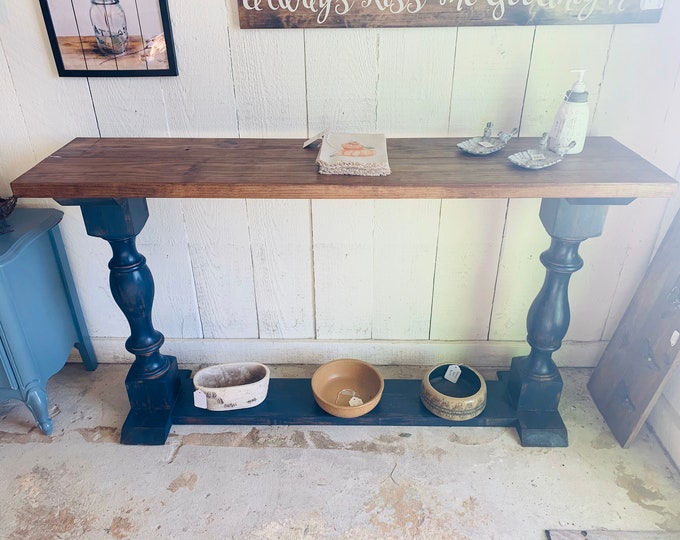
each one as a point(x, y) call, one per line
point(110, 38)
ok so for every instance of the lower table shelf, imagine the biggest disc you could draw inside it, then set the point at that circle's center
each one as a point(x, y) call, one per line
point(290, 402)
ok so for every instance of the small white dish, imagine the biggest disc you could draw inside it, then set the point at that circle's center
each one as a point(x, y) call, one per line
point(541, 157)
point(535, 159)
point(481, 146)
point(486, 144)
point(228, 387)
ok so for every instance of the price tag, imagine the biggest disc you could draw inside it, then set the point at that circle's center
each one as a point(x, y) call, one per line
point(315, 139)
point(200, 400)
point(650, 4)
point(674, 338)
point(355, 401)
point(452, 373)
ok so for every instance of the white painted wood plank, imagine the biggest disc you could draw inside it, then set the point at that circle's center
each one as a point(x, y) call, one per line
point(163, 242)
point(671, 120)
point(280, 232)
point(553, 56)
point(489, 79)
point(638, 225)
point(219, 245)
point(130, 107)
point(342, 77)
point(591, 288)
point(343, 268)
point(520, 273)
point(644, 117)
point(405, 236)
point(556, 51)
point(608, 274)
point(89, 258)
point(54, 109)
point(414, 86)
point(614, 264)
point(467, 259)
point(200, 101)
point(639, 96)
point(269, 82)
point(488, 85)
point(639, 106)
point(490, 354)
point(16, 155)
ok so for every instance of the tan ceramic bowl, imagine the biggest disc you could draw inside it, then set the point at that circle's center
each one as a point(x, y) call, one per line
point(458, 401)
point(235, 386)
point(347, 388)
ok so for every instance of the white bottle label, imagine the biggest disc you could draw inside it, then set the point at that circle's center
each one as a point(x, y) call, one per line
point(571, 124)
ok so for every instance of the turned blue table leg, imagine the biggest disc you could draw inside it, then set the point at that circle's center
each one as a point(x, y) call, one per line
point(153, 380)
point(534, 383)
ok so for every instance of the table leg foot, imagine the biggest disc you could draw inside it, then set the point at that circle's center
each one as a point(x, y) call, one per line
point(148, 428)
point(542, 429)
point(152, 398)
point(156, 391)
point(531, 392)
point(536, 399)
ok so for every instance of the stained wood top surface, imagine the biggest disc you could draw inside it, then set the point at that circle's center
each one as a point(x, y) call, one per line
point(282, 169)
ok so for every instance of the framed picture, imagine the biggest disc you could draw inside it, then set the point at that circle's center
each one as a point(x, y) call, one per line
point(110, 38)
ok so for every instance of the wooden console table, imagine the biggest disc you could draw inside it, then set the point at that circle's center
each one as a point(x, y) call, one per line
point(110, 179)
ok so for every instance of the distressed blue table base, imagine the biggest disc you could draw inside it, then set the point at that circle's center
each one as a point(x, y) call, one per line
point(153, 381)
point(535, 384)
point(526, 397)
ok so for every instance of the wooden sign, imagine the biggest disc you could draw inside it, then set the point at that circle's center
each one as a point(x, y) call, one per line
point(399, 13)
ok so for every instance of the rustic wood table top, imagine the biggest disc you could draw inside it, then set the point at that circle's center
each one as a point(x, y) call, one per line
point(282, 169)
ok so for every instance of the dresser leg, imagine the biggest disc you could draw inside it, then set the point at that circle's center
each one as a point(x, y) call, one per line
point(36, 400)
point(153, 380)
point(535, 384)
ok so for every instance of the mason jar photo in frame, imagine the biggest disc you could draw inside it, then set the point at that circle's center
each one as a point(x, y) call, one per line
point(110, 38)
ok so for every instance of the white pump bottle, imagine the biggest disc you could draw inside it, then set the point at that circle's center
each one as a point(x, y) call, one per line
point(571, 120)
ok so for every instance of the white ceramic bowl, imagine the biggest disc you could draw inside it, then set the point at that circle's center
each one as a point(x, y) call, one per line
point(228, 387)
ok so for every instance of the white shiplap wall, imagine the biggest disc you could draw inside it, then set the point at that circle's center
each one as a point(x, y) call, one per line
point(288, 281)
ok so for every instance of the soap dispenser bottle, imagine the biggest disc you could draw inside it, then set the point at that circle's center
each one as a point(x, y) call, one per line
point(571, 120)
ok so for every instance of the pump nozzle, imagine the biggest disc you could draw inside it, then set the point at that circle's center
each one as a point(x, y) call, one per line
point(580, 85)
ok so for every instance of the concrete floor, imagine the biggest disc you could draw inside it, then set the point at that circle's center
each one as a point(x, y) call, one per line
point(318, 482)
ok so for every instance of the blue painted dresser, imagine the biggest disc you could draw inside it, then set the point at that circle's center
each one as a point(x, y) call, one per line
point(40, 315)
